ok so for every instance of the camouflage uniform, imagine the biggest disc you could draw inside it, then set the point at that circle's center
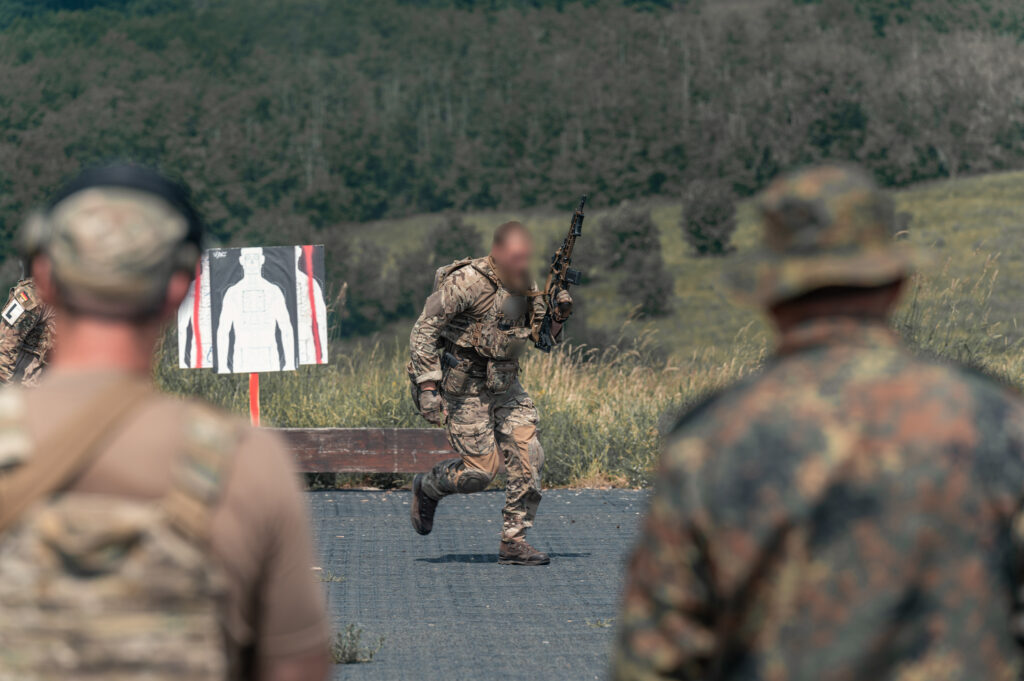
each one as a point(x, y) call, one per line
point(491, 418)
point(853, 513)
point(131, 545)
point(26, 335)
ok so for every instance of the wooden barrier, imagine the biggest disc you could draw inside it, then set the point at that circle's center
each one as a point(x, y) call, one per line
point(367, 450)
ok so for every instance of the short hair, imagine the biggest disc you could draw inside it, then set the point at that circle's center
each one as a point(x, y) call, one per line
point(506, 230)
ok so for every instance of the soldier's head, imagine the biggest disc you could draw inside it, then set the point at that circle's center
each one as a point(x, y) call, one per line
point(828, 247)
point(119, 243)
point(512, 252)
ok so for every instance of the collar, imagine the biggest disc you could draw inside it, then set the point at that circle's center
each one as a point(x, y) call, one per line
point(495, 275)
point(493, 267)
point(833, 331)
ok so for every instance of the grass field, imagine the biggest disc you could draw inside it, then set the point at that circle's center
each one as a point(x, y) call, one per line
point(603, 410)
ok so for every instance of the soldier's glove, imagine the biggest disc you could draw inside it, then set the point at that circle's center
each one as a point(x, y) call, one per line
point(431, 407)
point(564, 306)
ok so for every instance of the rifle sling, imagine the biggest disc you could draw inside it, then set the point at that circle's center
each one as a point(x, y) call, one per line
point(66, 453)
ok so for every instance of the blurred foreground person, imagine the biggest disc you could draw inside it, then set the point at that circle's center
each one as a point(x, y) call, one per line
point(465, 370)
point(141, 536)
point(854, 512)
point(26, 335)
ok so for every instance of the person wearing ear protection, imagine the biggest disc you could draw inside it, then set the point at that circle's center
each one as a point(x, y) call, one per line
point(141, 536)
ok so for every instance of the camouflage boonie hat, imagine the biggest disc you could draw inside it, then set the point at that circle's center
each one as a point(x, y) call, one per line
point(113, 248)
point(823, 227)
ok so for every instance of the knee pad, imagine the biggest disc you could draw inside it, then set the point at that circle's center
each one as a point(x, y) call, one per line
point(536, 453)
point(473, 481)
point(531, 500)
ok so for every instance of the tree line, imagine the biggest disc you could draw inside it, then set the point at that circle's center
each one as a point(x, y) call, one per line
point(294, 119)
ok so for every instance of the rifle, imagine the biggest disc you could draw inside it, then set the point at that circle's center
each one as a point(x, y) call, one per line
point(560, 277)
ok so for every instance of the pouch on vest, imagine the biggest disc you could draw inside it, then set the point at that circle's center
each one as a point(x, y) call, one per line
point(456, 382)
point(501, 374)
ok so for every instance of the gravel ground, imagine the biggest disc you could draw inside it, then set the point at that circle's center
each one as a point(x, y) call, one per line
point(444, 606)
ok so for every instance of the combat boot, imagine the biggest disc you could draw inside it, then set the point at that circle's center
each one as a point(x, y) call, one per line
point(521, 553)
point(422, 508)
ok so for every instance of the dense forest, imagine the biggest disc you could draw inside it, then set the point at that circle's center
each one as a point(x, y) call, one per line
point(293, 117)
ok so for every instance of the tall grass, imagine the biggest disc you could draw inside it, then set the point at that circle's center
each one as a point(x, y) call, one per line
point(604, 412)
point(360, 388)
point(951, 317)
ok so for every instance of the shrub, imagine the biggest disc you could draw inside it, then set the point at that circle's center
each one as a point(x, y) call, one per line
point(628, 243)
point(448, 241)
point(709, 218)
point(347, 648)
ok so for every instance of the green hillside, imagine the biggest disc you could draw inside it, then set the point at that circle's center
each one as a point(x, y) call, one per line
point(970, 291)
point(604, 409)
point(298, 120)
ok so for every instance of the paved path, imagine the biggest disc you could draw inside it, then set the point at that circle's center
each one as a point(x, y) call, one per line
point(446, 608)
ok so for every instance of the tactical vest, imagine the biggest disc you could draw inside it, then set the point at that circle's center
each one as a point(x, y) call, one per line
point(95, 587)
point(501, 331)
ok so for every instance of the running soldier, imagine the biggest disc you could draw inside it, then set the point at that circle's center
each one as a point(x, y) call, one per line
point(465, 350)
point(26, 335)
point(854, 513)
point(141, 536)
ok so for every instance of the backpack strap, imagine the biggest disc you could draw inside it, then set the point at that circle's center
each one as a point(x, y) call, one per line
point(486, 267)
point(15, 443)
point(211, 440)
point(61, 457)
point(446, 271)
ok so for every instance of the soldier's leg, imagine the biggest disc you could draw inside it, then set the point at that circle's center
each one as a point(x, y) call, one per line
point(516, 430)
point(471, 434)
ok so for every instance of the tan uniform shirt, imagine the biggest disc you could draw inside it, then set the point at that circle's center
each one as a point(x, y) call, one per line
point(260, 532)
point(467, 310)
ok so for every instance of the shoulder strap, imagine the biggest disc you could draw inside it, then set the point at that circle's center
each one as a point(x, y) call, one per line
point(58, 459)
point(483, 266)
point(445, 271)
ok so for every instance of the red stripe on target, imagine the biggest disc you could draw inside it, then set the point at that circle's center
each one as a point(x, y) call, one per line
point(307, 252)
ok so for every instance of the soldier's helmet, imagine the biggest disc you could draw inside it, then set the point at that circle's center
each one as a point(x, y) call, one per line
point(829, 226)
point(114, 237)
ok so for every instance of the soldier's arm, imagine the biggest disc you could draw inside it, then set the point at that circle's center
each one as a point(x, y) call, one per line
point(1013, 473)
point(539, 310)
point(666, 626)
point(292, 629)
point(454, 296)
point(309, 668)
point(48, 337)
point(10, 342)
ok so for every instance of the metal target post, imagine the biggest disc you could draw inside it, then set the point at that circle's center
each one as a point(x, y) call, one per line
point(254, 399)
